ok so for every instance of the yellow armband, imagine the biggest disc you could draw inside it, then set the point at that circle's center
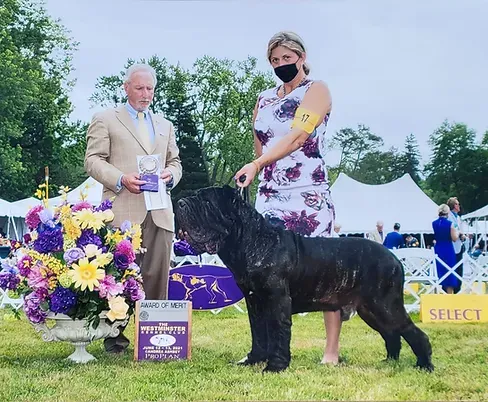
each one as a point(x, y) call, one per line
point(305, 119)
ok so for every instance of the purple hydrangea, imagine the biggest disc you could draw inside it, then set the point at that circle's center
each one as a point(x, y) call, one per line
point(133, 290)
point(106, 204)
point(9, 280)
point(88, 237)
point(32, 307)
point(73, 254)
point(300, 223)
point(62, 300)
point(49, 240)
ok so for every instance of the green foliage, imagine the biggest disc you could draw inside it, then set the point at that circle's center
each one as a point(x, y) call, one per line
point(35, 64)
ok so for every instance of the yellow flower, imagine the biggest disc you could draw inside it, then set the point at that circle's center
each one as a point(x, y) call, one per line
point(108, 215)
point(104, 259)
point(86, 274)
point(86, 219)
point(72, 230)
point(118, 308)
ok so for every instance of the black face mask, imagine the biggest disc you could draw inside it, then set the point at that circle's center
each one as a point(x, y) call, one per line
point(287, 72)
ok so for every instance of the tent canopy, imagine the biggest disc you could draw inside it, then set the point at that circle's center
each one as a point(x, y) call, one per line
point(359, 206)
point(478, 214)
point(9, 209)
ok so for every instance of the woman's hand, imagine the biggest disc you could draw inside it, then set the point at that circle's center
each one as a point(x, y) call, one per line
point(249, 171)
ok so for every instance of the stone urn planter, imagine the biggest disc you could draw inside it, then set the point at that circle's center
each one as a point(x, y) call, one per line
point(78, 334)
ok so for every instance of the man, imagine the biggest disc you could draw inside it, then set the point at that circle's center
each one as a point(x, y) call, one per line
point(394, 239)
point(377, 235)
point(411, 241)
point(455, 207)
point(115, 138)
point(337, 230)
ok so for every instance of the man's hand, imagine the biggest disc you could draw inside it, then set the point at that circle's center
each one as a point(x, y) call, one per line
point(132, 183)
point(166, 175)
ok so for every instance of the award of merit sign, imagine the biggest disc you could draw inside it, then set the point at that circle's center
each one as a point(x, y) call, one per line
point(163, 330)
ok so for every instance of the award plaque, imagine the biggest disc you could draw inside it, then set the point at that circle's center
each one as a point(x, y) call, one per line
point(154, 188)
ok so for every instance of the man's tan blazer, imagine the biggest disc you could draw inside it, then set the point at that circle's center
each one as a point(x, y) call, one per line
point(113, 145)
point(375, 236)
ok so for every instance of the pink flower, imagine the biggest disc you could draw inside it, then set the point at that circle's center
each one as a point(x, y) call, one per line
point(81, 205)
point(125, 248)
point(36, 280)
point(32, 218)
point(108, 288)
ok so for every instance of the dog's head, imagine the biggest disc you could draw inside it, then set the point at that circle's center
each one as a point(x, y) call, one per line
point(207, 217)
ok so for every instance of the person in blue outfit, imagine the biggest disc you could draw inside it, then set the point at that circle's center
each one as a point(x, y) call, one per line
point(394, 239)
point(445, 234)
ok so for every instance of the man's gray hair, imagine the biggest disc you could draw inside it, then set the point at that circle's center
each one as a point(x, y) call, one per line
point(135, 68)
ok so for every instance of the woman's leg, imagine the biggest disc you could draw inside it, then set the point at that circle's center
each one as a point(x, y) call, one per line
point(332, 321)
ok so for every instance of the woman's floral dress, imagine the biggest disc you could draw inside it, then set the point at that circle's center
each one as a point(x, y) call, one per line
point(293, 192)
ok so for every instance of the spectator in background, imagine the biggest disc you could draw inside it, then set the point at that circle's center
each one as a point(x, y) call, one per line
point(377, 235)
point(455, 208)
point(445, 236)
point(337, 230)
point(411, 241)
point(394, 239)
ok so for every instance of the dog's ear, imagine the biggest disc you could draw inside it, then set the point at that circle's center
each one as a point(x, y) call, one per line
point(230, 191)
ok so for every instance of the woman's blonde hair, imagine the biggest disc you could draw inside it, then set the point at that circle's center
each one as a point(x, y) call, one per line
point(291, 41)
point(443, 210)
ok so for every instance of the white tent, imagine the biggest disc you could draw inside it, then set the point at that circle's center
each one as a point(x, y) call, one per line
point(11, 220)
point(359, 206)
point(478, 214)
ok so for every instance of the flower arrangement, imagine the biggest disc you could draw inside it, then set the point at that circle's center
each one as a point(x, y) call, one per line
point(75, 263)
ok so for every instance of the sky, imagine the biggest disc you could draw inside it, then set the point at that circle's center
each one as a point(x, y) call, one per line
point(397, 67)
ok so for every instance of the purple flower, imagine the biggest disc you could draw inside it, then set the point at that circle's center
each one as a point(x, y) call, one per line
point(264, 137)
point(81, 205)
point(46, 217)
point(88, 237)
point(36, 279)
point(287, 109)
point(133, 290)
point(106, 204)
point(293, 174)
point(318, 175)
point(24, 265)
point(49, 240)
point(72, 255)
point(125, 247)
point(62, 300)
point(121, 261)
point(32, 307)
point(268, 172)
point(9, 266)
point(311, 148)
point(8, 280)
point(32, 219)
point(125, 226)
point(301, 223)
point(109, 288)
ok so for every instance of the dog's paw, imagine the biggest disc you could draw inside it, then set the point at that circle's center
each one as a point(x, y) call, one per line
point(429, 367)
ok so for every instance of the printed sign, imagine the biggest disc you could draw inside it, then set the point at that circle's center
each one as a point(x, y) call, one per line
point(454, 308)
point(163, 330)
point(208, 287)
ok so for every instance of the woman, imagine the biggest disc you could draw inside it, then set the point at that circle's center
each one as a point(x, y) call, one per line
point(445, 234)
point(289, 124)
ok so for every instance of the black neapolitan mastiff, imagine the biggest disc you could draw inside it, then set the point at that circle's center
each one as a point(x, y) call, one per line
point(282, 273)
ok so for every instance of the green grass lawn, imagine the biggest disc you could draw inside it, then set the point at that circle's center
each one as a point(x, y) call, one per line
point(32, 370)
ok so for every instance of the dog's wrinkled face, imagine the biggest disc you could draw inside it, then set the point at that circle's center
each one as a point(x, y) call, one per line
point(207, 217)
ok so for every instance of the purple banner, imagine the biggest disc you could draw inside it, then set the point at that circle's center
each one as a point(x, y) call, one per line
point(208, 287)
point(163, 340)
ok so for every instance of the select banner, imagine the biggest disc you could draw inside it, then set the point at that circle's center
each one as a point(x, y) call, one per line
point(454, 308)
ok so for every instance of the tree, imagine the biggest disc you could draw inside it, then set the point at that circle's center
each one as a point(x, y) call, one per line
point(458, 166)
point(354, 145)
point(35, 64)
point(378, 167)
point(411, 158)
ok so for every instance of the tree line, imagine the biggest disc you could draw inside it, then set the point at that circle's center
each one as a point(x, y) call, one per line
point(210, 105)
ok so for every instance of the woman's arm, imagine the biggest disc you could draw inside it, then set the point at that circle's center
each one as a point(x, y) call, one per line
point(454, 233)
point(318, 102)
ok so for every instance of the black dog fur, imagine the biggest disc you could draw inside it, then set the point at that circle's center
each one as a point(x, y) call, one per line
point(282, 273)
